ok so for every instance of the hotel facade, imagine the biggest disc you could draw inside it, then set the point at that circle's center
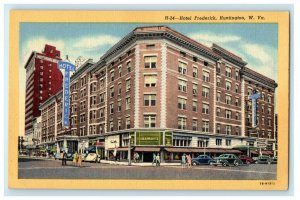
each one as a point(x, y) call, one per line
point(162, 92)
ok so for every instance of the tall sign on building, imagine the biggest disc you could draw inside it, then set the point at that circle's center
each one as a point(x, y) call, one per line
point(253, 98)
point(67, 67)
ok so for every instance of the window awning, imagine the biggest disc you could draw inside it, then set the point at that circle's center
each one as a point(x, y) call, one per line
point(147, 149)
point(178, 150)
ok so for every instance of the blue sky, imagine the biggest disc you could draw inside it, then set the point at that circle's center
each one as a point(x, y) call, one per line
point(257, 44)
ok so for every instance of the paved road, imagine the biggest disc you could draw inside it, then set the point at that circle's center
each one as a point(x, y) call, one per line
point(52, 169)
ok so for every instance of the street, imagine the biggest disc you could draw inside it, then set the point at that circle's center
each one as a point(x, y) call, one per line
point(30, 168)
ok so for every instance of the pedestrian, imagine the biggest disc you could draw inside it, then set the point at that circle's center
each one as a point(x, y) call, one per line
point(62, 158)
point(154, 159)
point(75, 159)
point(79, 160)
point(137, 157)
point(157, 160)
point(65, 158)
point(183, 161)
point(189, 160)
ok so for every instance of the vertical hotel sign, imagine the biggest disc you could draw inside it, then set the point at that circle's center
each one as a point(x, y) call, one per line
point(254, 98)
point(67, 68)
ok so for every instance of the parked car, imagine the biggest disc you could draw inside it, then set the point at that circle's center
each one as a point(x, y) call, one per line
point(91, 155)
point(202, 160)
point(266, 160)
point(226, 160)
point(246, 160)
point(69, 156)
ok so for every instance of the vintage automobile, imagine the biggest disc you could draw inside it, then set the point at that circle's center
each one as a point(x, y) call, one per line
point(266, 160)
point(91, 155)
point(202, 160)
point(226, 160)
point(246, 160)
point(69, 156)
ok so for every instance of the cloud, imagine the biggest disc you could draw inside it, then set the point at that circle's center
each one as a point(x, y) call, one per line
point(95, 41)
point(209, 38)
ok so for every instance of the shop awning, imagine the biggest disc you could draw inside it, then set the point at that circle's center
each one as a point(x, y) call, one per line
point(201, 150)
point(262, 152)
point(147, 149)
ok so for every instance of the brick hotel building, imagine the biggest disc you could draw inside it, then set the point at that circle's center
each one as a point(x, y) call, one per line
point(43, 80)
point(165, 93)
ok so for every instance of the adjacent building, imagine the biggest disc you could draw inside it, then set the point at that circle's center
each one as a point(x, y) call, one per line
point(43, 80)
point(161, 92)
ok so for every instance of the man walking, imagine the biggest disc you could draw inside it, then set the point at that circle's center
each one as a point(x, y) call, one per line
point(65, 158)
point(154, 159)
point(157, 160)
point(62, 158)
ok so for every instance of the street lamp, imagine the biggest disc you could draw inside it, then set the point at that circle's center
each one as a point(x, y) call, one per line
point(129, 151)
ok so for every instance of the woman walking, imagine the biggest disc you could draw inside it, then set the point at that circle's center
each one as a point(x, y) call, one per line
point(189, 160)
point(183, 161)
point(75, 159)
point(79, 160)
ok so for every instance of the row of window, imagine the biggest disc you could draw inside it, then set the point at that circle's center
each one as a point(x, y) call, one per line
point(182, 87)
point(120, 70)
point(186, 142)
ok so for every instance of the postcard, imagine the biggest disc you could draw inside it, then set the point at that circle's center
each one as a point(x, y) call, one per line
point(163, 100)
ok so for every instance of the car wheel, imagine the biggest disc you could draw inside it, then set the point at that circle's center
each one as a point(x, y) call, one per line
point(194, 163)
point(224, 164)
point(236, 163)
point(269, 163)
point(256, 162)
point(248, 162)
point(210, 163)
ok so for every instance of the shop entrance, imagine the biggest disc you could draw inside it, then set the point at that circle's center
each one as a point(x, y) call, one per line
point(148, 156)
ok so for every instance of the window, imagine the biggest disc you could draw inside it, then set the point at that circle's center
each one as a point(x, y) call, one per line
point(150, 62)
point(205, 108)
point(183, 54)
point(195, 72)
point(269, 110)
point(127, 85)
point(101, 112)
point(119, 106)
point(181, 123)
point(205, 76)
point(179, 141)
point(236, 102)
point(111, 126)
point(128, 66)
point(120, 71)
point(249, 91)
point(150, 80)
point(237, 76)
point(269, 122)
point(218, 142)
point(82, 118)
point(218, 69)
point(194, 106)
point(218, 81)
point(228, 129)
point(263, 121)
point(228, 99)
point(228, 142)
point(119, 88)
point(111, 108)
point(182, 85)
point(150, 46)
point(149, 99)
point(203, 142)
point(112, 76)
point(236, 88)
point(237, 130)
point(205, 92)
point(228, 72)
point(195, 89)
point(101, 98)
point(182, 68)
point(83, 92)
point(182, 103)
point(93, 87)
point(263, 96)
point(119, 124)
point(128, 122)
point(128, 103)
point(93, 114)
point(218, 96)
point(205, 126)
point(112, 92)
point(228, 85)
point(101, 83)
point(218, 112)
point(93, 100)
point(269, 99)
point(195, 124)
point(41, 73)
point(218, 128)
point(149, 121)
point(237, 116)
point(205, 63)
point(228, 114)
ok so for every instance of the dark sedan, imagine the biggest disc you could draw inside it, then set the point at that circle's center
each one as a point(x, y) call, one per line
point(226, 160)
point(202, 160)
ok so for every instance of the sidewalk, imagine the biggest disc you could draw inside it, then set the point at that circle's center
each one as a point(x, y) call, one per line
point(138, 163)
